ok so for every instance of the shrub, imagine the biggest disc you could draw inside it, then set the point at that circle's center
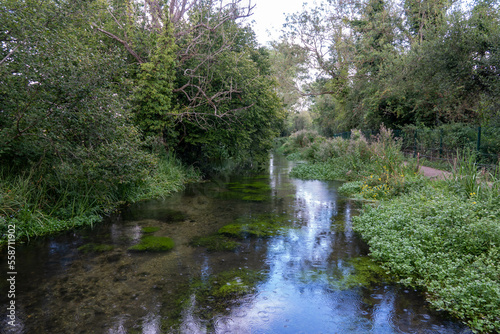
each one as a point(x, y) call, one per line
point(444, 243)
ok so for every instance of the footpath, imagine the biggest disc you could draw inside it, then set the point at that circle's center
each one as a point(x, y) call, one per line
point(434, 173)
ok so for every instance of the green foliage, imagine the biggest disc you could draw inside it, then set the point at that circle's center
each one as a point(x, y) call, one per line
point(351, 188)
point(31, 202)
point(153, 244)
point(154, 85)
point(376, 164)
point(242, 115)
point(428, 62)
point(444, 243)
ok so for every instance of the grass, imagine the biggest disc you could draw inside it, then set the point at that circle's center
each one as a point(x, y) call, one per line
point(37, 204)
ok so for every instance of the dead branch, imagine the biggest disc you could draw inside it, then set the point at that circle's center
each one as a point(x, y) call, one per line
point(9, 54)
point(125, 44)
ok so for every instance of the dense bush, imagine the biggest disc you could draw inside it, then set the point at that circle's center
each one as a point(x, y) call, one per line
point(378, 162)
point(445, 243)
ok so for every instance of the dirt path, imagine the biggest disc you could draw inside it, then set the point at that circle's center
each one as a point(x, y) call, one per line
point(434, 173)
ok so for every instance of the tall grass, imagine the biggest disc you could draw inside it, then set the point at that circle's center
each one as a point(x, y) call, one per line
point(169, 176)
point(472, 181)
point(39, 203)
point(376, 164)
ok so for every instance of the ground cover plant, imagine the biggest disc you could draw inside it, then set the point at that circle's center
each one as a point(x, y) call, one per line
point(445, 242)
point(441, 237)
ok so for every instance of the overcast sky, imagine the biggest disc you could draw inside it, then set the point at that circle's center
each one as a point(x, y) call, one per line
point(269, 17)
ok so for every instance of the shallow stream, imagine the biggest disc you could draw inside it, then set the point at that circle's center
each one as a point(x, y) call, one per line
point(259, 254)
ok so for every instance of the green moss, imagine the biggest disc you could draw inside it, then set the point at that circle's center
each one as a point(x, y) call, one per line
point(257, 191)
point(215, 243)
point(95, 248)
point(262, 226)
point(149, 229)
point(153, 244)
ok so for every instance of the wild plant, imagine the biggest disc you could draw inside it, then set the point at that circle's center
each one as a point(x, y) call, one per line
point(465, 175)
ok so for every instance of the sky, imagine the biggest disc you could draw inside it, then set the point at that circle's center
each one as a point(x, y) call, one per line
point(269, 17)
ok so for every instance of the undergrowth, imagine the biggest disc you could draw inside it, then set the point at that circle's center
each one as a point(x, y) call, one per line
point(442, 237)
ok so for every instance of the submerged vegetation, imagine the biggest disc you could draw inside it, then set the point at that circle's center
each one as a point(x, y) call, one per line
point(95, 248)
point(256, 191)
point(440, 236)
point(210, 296)
point(229, 237)
point(152, 243)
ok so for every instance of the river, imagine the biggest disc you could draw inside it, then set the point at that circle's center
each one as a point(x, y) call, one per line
point(310, 274)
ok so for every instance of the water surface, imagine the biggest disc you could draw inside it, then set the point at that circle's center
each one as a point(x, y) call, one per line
point(312, 276)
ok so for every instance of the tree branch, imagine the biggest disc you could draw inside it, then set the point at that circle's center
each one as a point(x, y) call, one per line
point(125, 44)
point(10, 54)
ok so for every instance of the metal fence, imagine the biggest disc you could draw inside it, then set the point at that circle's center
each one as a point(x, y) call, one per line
point(444, 143)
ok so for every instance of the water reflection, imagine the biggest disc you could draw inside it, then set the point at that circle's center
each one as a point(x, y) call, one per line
point(310, 278)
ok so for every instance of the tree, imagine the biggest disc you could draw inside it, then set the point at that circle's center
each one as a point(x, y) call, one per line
point(424, 16)
point(196, 25)
point(62, 112)
point(425, 62)
point(245, 113)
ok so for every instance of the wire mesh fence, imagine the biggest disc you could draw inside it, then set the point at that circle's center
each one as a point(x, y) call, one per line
point(446, 142)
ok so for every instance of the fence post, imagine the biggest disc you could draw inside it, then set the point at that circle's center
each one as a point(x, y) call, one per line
point(415, 145)
point(478, 148)
point(441, 143)
point(478, 139)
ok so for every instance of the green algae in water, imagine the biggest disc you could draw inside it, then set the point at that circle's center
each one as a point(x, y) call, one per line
point(95, 248)
point(208, 298)
point(255, 230)
point(149, 229)
point(261, 227)
point(221, 290)
point(257, 191)
point(354, 273)
point(215, 243)
point(365, 273)
point(255, 198)
point(153, 244)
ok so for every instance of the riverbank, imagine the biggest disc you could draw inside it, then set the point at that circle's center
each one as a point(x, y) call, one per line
point(435, 231)
point(32, 207)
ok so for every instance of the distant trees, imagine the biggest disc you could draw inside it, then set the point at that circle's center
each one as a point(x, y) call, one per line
point(425, 62)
